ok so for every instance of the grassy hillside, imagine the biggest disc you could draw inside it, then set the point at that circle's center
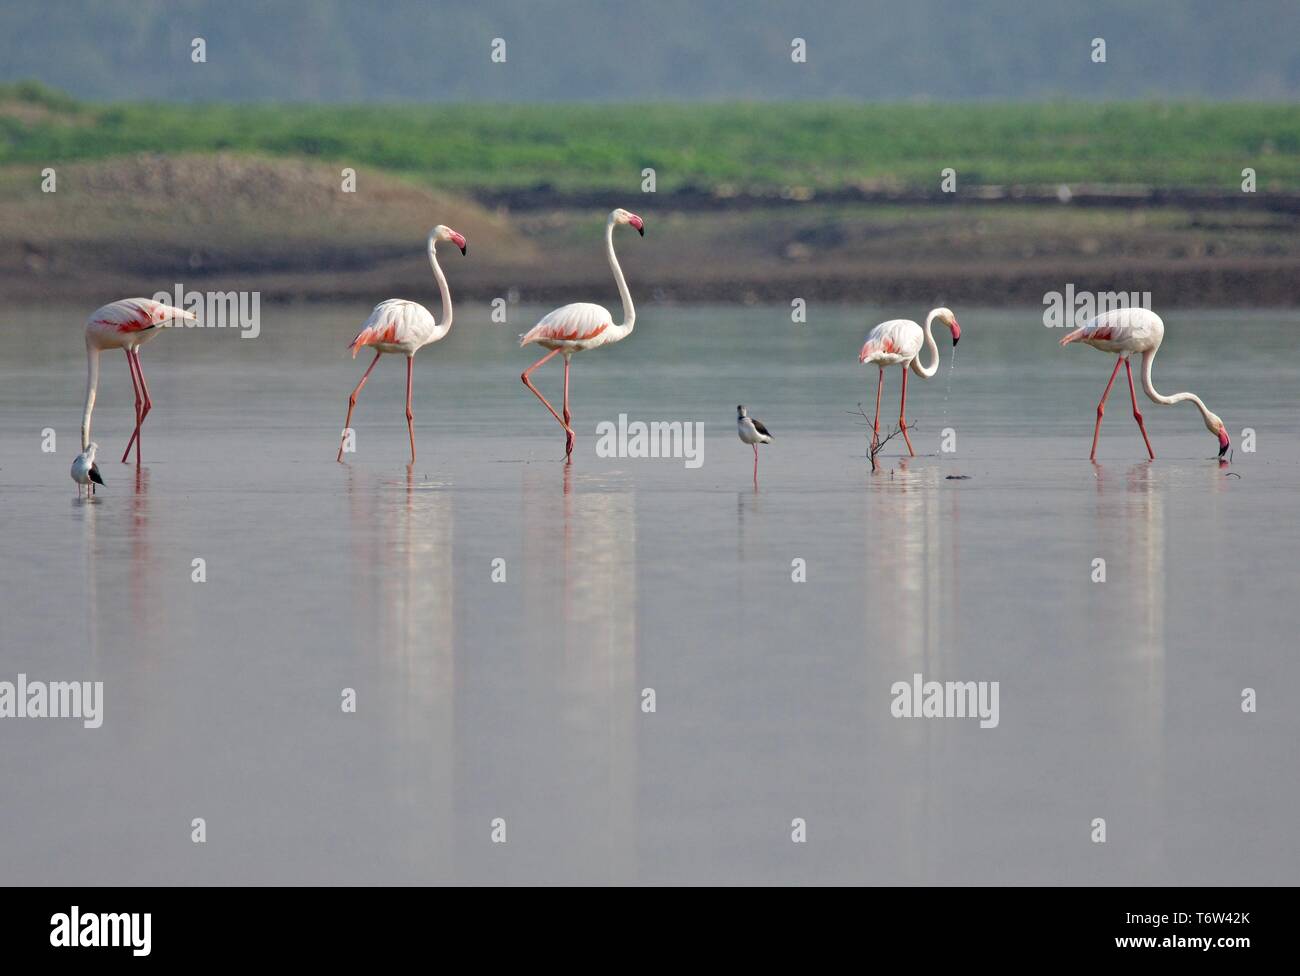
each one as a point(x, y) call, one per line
point(741, 145)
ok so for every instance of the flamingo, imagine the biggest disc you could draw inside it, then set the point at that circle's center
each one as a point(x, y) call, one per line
point(752, 432)
point(85, 471)
point(574, 328)
point(401, 326)
point(127, 325)
point(1125, 331)
point(898, 342)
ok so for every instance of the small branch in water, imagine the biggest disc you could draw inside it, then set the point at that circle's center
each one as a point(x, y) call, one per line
point(874, 449)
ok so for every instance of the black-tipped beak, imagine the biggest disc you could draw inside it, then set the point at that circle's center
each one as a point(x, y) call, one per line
point(464, 249)
point(1223, 449)
point(641, 230)
point(955, 340)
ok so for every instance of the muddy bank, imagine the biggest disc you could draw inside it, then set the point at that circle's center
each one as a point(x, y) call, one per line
point(366, 278)
point(284, 228)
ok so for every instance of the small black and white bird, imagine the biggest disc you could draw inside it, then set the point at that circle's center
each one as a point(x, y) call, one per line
point(752, 432)
point(85, 471)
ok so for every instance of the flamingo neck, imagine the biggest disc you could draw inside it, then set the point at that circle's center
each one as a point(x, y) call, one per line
point(931, 347)
point(92, 384)
point(1150, 390)
point(629, 310)
point(444, 325)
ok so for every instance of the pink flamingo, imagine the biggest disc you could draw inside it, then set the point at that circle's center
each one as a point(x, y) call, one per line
point(127, 325)
point(401, 326)
point(574, 328)
point(1124, 331)
point(898, 342)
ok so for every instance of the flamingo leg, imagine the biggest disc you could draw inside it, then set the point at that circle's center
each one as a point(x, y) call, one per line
point(1137, 414)
point(537, 393)
point(410, 414)
point(148, 400)
point(875, 427)
point(1101, 408)
point(352, 402)
point(568, 437)
point(902, 415)
point(139, 403)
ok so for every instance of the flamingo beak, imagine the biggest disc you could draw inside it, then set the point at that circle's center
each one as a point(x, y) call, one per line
point(459, 241)
point(1224, 443)
point(956, 333)
point(638, 223)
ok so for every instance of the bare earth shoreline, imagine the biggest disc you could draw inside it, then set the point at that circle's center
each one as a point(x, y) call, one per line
point(281, 227)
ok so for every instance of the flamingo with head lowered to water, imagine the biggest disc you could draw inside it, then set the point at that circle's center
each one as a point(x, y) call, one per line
point(127, 325)
point(1124, 331)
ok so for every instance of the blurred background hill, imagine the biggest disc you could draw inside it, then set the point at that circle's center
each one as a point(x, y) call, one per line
point(596, 50)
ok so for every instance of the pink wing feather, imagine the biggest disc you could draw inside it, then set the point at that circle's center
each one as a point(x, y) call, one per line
point(580, 322)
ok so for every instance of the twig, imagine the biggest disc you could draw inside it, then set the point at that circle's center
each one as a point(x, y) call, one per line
point(875, 448)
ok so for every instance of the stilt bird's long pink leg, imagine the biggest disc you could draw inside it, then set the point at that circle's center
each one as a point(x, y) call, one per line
point(352, 402)
point(1137, 414)
point(1101, 409)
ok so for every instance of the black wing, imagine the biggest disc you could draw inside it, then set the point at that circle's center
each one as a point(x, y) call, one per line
point(758, 426)
point(94, 474)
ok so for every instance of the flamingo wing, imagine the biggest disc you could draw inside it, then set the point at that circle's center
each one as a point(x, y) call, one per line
point(1120, 330)
point(581, 322)
point(394, 323)
point(134, 315)
point(892, 342)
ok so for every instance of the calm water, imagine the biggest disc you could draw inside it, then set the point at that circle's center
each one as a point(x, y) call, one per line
point(522, 699)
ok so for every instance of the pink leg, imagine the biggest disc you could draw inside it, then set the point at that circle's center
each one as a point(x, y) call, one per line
point(139, 402)
point(537, 393)
point(148, 401)
point(875, 427)
point(568, 437)
point(902, 415)
point(352, 402)
point(756, 464)
point(1137, 414)
point(144, 408)
point(410, 415)
point(1101, 409)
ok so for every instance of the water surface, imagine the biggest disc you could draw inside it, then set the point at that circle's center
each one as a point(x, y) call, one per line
point(522, 699)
